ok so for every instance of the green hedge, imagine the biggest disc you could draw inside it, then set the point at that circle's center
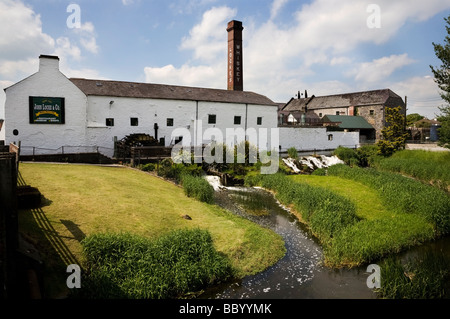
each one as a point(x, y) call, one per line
point(134, 267)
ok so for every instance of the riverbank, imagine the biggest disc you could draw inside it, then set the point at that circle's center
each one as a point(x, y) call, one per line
point(81, 200)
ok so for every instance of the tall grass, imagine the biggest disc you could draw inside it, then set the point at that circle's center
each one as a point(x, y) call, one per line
point(133, 267)
point(198, 188)
point(326, 212)
point(348, 240)
point(426, 166)
point(424, 277)
point(403, 194)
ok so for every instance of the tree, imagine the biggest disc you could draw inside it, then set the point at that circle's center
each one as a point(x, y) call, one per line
point(394, 134)
point(413, 118)
point(442, 78)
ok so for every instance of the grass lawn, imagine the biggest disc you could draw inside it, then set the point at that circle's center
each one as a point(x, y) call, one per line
point(82, 200)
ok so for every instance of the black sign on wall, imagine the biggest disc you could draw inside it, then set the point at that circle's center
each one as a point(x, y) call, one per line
point(47, 110)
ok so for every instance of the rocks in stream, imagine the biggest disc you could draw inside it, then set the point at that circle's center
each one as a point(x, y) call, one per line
point(308, 164)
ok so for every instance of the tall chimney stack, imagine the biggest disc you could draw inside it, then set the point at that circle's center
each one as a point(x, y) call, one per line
point(235, 56)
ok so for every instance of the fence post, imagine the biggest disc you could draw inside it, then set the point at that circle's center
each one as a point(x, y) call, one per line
point(62, 150)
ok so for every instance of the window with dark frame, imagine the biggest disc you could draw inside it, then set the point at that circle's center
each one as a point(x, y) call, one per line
point(237, 120)
point(109, 122)
point(212, 118)
point(134, 121)
point(372, 112)
point(169, 122)
point(259, 121)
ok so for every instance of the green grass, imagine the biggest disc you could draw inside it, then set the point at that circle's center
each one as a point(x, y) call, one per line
point(424, 277)
point(426, 166)
point(134, 267)
point(356, 217)
point(115, 199)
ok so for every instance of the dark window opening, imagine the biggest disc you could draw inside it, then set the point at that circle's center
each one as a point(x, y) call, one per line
point(212, 119)
point(338, 113)
point(372, 112)
point(259, 121)
point(330, 137)
point(109, 122)
point(169, 122)
point(237, 120)
point(134, 121)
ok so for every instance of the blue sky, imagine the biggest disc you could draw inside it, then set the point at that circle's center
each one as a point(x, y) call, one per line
point(323, 46)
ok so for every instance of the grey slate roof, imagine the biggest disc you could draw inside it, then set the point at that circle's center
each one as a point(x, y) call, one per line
point(374, 97)
point(171, 92)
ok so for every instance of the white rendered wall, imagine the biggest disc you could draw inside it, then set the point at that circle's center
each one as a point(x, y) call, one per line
point(48, 82)
point(189, 115)
point(315, 139)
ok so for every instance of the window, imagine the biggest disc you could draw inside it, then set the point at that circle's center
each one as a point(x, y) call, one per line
point(169, 122)
point(134, 121)
point(259, 121)
point(212, 119)
point(237, 120)
point(320, 114)
point(109, 122)
point(338, 113)
point(372, 112)
point(330, 137)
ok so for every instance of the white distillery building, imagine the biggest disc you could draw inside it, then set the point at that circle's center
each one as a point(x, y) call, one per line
point(47, 111)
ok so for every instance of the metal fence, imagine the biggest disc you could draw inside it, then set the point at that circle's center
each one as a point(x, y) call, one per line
point(33, 150)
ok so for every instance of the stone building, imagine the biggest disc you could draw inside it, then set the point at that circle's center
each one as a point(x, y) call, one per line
point(370, 105)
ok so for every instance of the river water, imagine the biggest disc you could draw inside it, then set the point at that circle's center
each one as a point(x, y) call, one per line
point(299, 274)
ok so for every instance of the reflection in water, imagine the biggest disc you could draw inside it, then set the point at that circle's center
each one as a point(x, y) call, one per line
point(299, 274)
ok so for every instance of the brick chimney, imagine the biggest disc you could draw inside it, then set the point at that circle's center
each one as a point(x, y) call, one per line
point(235, 56)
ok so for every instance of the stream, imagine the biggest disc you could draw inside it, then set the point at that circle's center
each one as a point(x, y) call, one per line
point(299, 274)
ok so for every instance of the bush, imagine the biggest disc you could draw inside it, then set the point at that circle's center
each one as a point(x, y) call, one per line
point(168, 169)
point(367, 154)
point(348, 155)
point(198, 188)
point(134, 267)
point(150, 167)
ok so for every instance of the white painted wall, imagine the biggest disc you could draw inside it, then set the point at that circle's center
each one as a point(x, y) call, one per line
point(315, 138)
point(191, 115)
point(48, 82)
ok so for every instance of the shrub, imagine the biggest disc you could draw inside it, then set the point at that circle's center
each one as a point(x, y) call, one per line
point(367, 154)
point(198, 188)
point(134, 267)
point(150, 167)
point(348, 155)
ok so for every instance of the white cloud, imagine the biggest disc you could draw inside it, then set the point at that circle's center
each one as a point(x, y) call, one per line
point(127, 2)
point(277, 5)
point(21, 33)
point(280, 57)
point(207, 39)
point(203, 76)
point(380, 70)
point(88, 37)
point(423, 95)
